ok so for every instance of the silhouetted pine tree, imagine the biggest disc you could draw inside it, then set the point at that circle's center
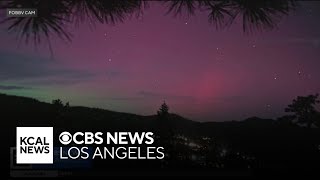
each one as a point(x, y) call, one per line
point(57, 103)
point(55, 16)
point(164, 110)
point(304, 109)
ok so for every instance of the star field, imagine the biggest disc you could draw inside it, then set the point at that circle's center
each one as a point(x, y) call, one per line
point(203, 73)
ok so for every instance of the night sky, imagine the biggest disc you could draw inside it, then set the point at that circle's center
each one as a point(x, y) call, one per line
point(202, 73)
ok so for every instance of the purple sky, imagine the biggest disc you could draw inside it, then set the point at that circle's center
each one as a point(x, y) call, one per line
point(203, 73)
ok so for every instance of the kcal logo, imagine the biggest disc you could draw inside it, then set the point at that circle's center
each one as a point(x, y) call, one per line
point(34, 145)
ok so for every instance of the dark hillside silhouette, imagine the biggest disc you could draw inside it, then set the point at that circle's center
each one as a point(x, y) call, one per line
point(248, 144)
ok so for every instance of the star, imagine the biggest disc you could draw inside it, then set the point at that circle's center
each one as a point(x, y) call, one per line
point(109, 59)
point(186, 23)
point(275, 76)
point(299, 73)
point(254, 46)
point(105, 36)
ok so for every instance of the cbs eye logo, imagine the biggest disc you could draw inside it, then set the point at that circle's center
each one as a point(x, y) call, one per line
point(65, 138)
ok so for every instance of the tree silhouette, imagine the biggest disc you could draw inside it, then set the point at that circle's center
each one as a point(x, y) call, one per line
point(67, 105)
point(304, 110)
point(286, 120)
point(54, 16)
point(317, 119)
point(262, 14)
point(57, 103)
point(163, 124)
point(164, 110)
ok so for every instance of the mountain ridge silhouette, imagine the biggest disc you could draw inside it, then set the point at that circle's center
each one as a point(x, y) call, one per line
point(271, 143)
point(16, 103)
